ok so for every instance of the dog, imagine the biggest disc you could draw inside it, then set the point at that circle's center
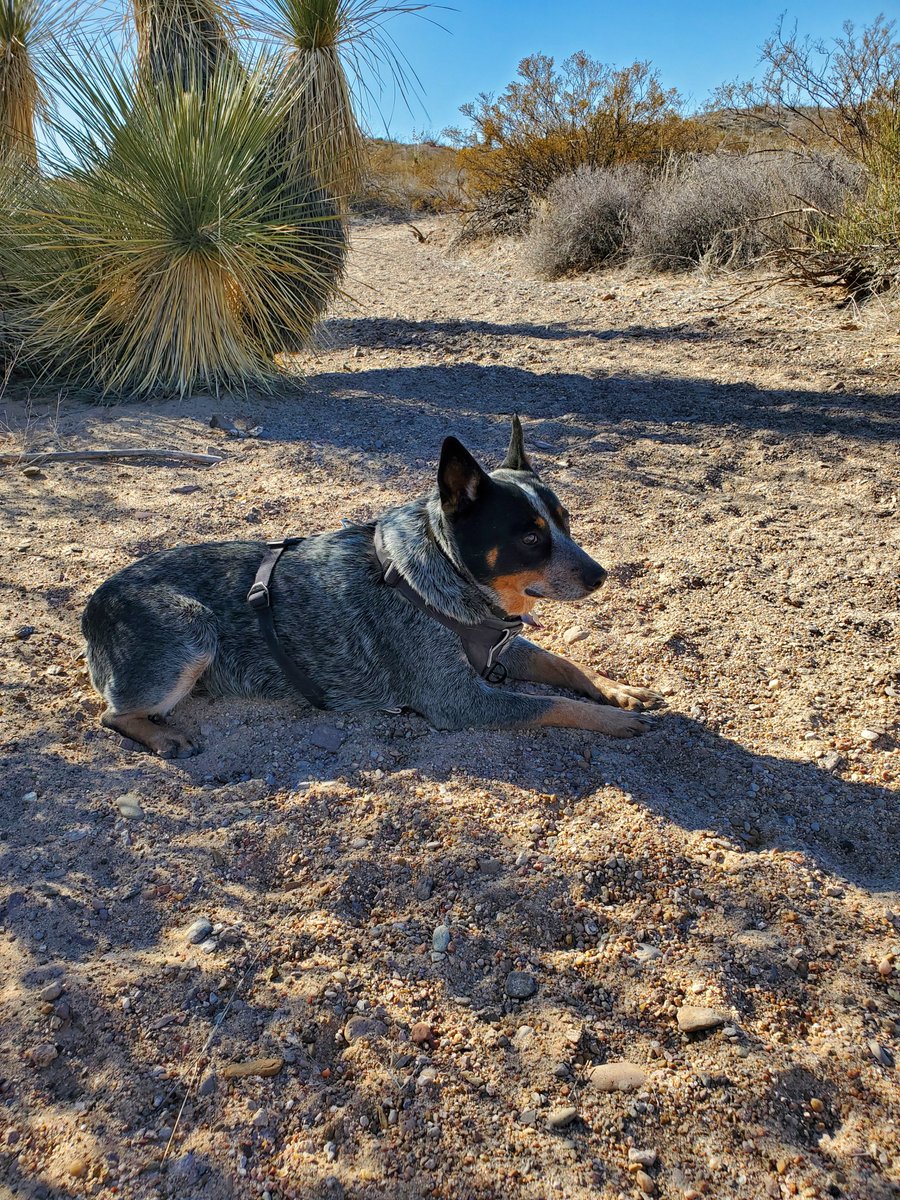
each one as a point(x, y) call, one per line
point(381, 616)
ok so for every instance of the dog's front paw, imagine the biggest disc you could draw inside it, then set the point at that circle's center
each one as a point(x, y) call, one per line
point(625, 695)
point(618, 724)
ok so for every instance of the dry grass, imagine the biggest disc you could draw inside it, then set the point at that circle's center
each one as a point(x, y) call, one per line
point(724, 210)
point(586, 221)
point(401, 180)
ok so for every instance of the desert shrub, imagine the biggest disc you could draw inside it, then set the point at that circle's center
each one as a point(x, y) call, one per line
point(552, 120)
point(401, 180)
point(731, 209)
point(585, 220)
point(844, 93)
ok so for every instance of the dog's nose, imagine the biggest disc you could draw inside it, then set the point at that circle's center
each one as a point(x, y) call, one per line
point(595, 578)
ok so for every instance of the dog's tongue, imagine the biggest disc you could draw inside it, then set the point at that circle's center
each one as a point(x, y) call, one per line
point(528, 619)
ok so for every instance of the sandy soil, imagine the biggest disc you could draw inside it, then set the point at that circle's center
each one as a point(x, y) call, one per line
point(732, 459)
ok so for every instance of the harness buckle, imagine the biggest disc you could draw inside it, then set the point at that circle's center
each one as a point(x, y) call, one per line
point(258, 596)
point(496, 673)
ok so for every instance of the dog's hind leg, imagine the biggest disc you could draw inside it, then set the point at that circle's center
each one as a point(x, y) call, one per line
point(145, 651)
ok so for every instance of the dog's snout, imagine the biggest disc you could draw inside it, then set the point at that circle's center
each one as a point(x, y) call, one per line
point(595, 577)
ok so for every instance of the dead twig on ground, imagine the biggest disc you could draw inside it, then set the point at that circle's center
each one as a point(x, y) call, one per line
point(35, 458)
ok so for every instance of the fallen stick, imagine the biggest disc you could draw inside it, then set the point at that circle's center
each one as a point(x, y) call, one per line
point(36, 458)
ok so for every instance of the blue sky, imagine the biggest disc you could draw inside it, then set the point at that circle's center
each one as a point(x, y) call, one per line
point(696, 44)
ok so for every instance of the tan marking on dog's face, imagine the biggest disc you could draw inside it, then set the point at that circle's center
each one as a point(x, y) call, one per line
point(511, 591)
point(540, 522)
point(491, 557)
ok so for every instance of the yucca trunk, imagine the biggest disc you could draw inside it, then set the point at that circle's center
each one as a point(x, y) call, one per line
point(20, 93)
point(320, 132)
point(181, 41)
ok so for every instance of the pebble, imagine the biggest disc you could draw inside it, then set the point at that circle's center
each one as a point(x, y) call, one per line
point(886, 968)
point(358, 1028)
point(645, 953)
point(421, 1033)
point(425, 887)
point(831, 761)
point(644, 1158)
point(260, 1118)
point(440, 939)
point(198, 931)
point(208, 1084)
point(520, 985)
point(129, 807)
point(692, 1019)
point(622, 1076)
point(882, 1056)
point(208, 945)
point(327, 738)
point(51, 992)
point(645, 1183)
point(359, 843)
point(528, 1116)
point(574, 634)
point(43, 1054)
point(78, 1168)
point(253, 1066)
point(560, 1118)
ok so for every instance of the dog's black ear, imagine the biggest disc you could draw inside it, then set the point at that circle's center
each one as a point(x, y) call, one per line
point(516, 458)
point(459, 477)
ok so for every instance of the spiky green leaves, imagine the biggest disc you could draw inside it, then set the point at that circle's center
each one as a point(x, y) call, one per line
point(179, 258)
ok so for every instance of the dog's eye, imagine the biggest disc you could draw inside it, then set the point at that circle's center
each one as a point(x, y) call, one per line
point(531, 539)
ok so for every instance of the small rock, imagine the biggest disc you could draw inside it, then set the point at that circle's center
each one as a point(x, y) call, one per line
point(870, 735)
point(426, 1078)
point(43, 1054)
point(560, 1118)
point(644, 1158)
point(645, 954)
point(198, 931)
point(421, 1033)
point(880, 1053)
point(24, 632)
point(217, 421)
point(359, 1028)
point(51, 992)
point(886, 968)
point(253, 1066)
point(78, 1168)
point(208, 945)
point(645, 1183)
point(831, 761)
point(327, 738)
point(425, 887)
point(440, 939)
point(129, 807)
point(622, 1076)
point(359, 843)
point(692, 1019)
point(574, 634)
point(260, 1118)
point(520, 985)
point(528, 1116)
point(208, 1084)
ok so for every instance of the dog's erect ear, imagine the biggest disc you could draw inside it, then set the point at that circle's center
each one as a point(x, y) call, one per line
point(459, 477)
point(516, 458)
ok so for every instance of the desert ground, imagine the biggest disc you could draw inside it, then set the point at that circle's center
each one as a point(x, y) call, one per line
point(356, 957)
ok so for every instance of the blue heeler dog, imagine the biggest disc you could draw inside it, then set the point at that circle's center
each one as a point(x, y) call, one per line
point(422, 610)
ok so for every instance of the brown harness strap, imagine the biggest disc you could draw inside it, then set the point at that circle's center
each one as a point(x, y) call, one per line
point(260, 600)
point(483, 643)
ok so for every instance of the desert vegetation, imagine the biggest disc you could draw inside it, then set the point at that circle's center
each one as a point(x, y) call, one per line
point(592, 165)
point(185, 221)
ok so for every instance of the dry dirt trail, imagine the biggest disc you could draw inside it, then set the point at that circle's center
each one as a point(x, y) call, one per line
point(736, 469)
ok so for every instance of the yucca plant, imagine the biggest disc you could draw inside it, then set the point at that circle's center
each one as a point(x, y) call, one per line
point(183, 40)
point(173, 258)
point(327, 47)
point(26, 26)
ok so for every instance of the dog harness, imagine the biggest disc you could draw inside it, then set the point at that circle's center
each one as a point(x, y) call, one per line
point(260, 600)
point(483, 643)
